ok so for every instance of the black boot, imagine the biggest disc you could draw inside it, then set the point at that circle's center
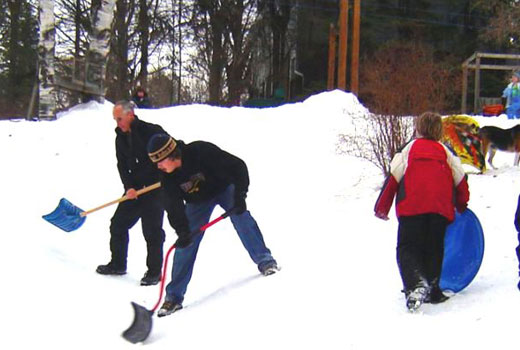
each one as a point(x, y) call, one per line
point(436, 296)
point(151, 279)
point(111, 269)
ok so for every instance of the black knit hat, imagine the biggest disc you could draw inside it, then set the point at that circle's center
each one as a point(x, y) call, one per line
point(160, 147)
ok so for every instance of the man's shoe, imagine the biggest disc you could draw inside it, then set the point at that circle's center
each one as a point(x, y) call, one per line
point(168, 308)
point(110, 269)
point(416, 298)
point(436, 296)
point(269, 269)
point(150, 279)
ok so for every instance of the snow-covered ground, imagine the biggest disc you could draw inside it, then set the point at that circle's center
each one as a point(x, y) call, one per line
point(339, 287)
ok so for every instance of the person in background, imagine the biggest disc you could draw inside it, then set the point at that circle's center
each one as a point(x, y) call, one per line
point(196, 178)
point(517, 226)
point(136, 171)
point(430, 183)
point(140, 98)
point(512, 95)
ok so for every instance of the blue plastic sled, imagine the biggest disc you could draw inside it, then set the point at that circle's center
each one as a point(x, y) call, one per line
point(463, 252)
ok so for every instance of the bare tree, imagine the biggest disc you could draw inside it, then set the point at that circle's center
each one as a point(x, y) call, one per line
point(143, 27)
point(278, 13)
point(402, 79)
point(117, 71)
point(504, 29)
point(405, 78)
point(239, 41)
point(98, 50)
point(46, 48)
point(377, 138)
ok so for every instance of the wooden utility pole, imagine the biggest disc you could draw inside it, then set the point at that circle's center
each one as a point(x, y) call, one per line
point(354, 73)
point(342, 54)
point(332, 57)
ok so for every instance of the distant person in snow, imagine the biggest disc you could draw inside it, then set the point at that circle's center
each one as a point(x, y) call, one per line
point(512, 95)
point(196, 178)
point(136, 171)
point(517, 225)
point(430, 183)
point(140, 98)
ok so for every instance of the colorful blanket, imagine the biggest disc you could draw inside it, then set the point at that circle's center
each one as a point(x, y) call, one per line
point(461, 134)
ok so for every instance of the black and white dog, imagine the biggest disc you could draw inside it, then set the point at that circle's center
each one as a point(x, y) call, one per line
point(494, 138)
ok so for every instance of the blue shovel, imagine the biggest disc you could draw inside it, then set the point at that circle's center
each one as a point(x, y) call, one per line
point(69, 217)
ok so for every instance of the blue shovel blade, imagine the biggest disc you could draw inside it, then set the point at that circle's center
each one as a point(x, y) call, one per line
point(66, 216)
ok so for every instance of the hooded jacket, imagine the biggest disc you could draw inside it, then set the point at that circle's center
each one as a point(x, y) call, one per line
point(135, 167)
point(427, 178)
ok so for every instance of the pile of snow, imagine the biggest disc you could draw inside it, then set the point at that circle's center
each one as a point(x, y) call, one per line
point(339, 287)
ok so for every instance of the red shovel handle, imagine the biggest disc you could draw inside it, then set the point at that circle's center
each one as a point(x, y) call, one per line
point(213, 222)
point(163, 277)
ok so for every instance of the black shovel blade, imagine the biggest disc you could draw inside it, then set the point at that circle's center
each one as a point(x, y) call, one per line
point(141, 327)
point(66, 216)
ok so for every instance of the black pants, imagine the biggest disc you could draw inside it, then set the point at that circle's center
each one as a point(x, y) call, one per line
point(148, 208)
point(420, 249)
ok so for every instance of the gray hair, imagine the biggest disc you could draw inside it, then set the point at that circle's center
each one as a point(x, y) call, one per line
point(127, 106)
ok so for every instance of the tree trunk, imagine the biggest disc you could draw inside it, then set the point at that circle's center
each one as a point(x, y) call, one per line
point(279, 17)
point(12, 53)
point(99, 43)
point(46, 47)
point(216, 66)
point(143, 25)
point(119, 73)
point(237, 70)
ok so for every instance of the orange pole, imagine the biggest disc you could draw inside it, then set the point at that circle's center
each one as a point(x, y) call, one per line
point(354, 73)
point(342, 53)
point(332, 57)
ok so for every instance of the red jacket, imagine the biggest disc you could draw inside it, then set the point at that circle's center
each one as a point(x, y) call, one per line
point(427, 178)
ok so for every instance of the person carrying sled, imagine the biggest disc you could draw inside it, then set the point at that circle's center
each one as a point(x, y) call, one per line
point(136, 171)
point(430, 183)
point(196, 178)
point(512, 95)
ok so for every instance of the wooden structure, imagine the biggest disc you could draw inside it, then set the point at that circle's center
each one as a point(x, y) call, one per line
point(82, 76)
point(478, 62)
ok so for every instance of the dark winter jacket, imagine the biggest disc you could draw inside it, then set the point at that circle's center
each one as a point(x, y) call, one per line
point(205, 172)
point(427, 178)
point(135, 167)
point(142, 102)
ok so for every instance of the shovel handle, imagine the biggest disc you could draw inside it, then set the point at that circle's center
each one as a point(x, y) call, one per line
point(122, 199)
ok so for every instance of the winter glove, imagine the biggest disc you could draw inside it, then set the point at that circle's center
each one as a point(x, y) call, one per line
point(382, 216)
point(240, 203)
point(461, 207)
point(183, 241)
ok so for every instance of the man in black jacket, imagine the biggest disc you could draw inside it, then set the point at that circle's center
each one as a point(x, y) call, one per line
point(136, 171)
point(197, 177)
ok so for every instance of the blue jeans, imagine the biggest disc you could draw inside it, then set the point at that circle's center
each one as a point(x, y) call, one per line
point(198, 214)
